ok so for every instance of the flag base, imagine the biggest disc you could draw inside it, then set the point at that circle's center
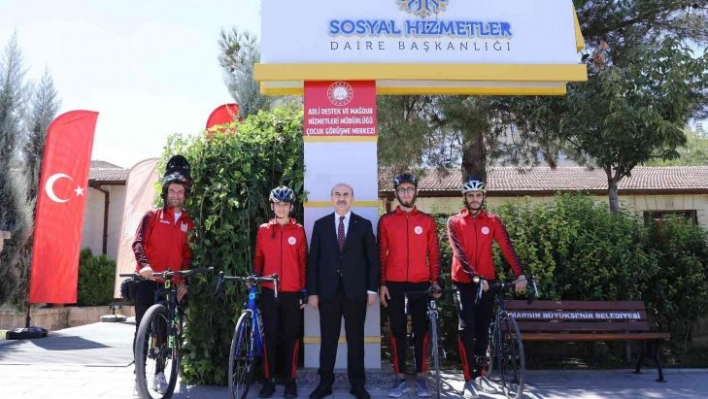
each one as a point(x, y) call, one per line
point(112, 318)
point(27, 333)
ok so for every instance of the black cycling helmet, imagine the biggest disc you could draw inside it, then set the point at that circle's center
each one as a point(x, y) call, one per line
point(177, 162)
point(177, 171)
point(282, 194)
point(405, 177)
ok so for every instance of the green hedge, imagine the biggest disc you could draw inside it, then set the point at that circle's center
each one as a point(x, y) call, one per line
point(96, 279)
point(233, 176)
point(577, 250)
point(678, 293)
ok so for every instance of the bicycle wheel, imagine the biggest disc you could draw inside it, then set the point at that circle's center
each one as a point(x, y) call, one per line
point(511, 361)
point(155, 353)
point(437, 383)
point(241, 357)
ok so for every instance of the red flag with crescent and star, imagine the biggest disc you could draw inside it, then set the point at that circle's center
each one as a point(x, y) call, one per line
point(60, 208)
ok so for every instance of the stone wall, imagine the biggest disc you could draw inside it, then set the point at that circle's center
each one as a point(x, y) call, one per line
point(59, 317)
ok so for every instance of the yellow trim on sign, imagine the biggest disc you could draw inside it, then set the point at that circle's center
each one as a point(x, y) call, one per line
point(433, 72)
point(336, 139)
point(579, 41)
point(505, 91)
point(342, 340)
point(480, 91)
point(328, 204)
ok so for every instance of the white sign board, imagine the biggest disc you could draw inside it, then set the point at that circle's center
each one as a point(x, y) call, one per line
point(418, 31)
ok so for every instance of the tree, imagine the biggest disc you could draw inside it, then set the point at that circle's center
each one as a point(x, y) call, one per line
point(479, 123)
point(43, 108)
point(644, 83)
point(403, 125)
point(693, 153)
point(14, 215)
point(239, 54)
point(634, 21)
point(628, 113)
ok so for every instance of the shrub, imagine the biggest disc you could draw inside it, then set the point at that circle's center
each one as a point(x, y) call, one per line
point(678, 294)
point(233, 174)
point(576, 249)
point(96, 279)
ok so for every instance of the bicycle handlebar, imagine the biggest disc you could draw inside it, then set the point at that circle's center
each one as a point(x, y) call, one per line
point(504, 286)
point(167, 274)
point(252, 280)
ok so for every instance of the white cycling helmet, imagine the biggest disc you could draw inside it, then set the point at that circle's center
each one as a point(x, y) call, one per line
point(473, 184)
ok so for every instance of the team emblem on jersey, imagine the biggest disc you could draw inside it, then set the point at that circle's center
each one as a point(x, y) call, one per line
point(485, 230)
point(418, 230)
point(184, 227)
point(292, 240)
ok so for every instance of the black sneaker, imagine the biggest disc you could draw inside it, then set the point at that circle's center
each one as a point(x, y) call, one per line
point(268, 389)
point(290, 389)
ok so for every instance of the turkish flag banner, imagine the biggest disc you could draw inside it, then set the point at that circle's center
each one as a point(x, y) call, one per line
point(60, 207)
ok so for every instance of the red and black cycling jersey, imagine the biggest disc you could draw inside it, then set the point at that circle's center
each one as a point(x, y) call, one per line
point(471, 240)
point(408, 247)
point(282, 249)
point(161, 242)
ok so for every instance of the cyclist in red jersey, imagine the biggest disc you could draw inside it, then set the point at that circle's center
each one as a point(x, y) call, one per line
point(471, 233)
point(410, 261)
point(161, 242)
point(281, 248)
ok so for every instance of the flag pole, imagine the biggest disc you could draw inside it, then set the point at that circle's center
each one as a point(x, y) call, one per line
point(27, 331)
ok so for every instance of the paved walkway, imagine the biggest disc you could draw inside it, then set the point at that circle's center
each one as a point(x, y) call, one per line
point(87, 362)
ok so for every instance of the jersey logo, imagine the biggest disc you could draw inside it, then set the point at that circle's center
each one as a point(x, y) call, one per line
point(292, 240)
point(485, 230)
point(184, 227)
point(418, 230)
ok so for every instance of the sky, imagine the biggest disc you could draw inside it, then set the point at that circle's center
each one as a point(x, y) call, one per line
point(148, 67)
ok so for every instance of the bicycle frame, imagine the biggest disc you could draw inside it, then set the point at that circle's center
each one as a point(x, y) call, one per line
point(497, 339)
point(174, 327)
point(251, 306)
point(255, 339)
point(437, 352)
point(159, 333)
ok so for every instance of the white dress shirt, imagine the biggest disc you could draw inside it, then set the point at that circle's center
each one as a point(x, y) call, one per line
point(347, 217)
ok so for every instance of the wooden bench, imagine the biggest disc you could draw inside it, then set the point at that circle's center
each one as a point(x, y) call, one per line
point(589, 321)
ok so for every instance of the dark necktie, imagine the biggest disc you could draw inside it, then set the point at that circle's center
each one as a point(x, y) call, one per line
point(340, 233)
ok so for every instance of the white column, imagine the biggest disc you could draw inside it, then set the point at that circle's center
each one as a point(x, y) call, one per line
point(340, 147)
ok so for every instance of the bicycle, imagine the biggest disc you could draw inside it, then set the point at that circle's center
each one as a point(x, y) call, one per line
point(159, 335)
point(505, 344)
point(436, 350)
point(248, 338)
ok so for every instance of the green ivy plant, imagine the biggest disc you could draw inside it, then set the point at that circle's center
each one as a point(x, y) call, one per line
point(233, 172)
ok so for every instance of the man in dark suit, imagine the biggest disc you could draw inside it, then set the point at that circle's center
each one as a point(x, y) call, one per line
point(342, 278)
